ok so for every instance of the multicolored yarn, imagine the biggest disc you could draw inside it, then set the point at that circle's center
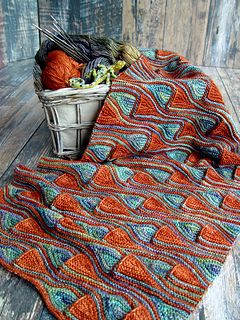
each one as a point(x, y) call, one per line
point(141, 225)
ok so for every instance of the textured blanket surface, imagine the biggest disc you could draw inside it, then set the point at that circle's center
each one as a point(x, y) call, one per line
point(142, 224)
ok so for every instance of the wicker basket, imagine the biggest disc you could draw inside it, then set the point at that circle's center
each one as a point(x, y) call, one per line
point(70, 114)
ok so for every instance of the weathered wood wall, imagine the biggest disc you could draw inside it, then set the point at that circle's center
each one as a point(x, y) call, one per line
point(100, 17)
point(205, 31)
point(18, 38)
point(222, 43)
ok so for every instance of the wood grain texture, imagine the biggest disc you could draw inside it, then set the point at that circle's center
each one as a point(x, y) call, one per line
point(150, 18)
point(129, 21)
point(18, 299)
point(39, 144)
point(231, 80)
point(21, 39)
point(16, 90)
point(18, 132)
point(185, 28)
point(98, 17)
point(21, 115)
point(229, 89)
point(15, 73)
point(143, 22)
point(2, 39)
point(223, 34)
point(221, 301)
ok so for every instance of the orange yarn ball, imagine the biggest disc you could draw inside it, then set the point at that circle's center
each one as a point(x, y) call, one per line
point(59, 69)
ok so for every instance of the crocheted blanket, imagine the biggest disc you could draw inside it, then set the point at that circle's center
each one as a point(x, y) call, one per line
point(142, 224)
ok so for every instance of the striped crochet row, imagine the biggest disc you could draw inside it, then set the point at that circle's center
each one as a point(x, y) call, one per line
point(142, 224)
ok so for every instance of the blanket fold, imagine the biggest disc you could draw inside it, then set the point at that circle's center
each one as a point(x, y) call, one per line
point(141, 225)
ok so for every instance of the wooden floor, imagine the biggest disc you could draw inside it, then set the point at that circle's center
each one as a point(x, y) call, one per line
point(24, 138)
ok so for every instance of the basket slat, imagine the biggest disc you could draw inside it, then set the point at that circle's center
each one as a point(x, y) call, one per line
point(70, 114)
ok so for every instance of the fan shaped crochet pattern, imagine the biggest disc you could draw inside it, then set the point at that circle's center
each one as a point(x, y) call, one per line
point(142, 224)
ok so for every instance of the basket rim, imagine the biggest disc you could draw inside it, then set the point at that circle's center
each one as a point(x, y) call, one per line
point(99, 89)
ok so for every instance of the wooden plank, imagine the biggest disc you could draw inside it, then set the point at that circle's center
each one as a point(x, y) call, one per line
point(14, 74)
point(231, 81)
point(17, 95)
point(18, 133)
point(129, 22)
point(16, 114)
point(21, 111)
point(185, 28)
point(143, 22)
point(21, 38)
point(14, 101)
point(40, 144)
point(224, 84)
point(99, 17)
point(223, 34)
point(4, 92)
point(221, 301)
point(19, 300)
point(150, 16)
point(2, 40)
